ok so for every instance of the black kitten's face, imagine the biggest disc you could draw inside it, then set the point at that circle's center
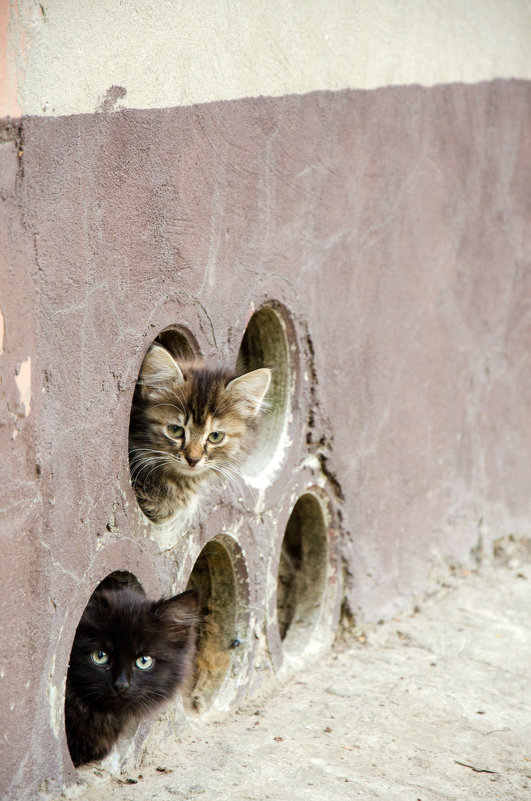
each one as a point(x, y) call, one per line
point(130, 653)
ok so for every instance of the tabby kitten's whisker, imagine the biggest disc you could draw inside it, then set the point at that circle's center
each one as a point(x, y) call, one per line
point(151, 465)
point(232, 476)
point(147, 458)
point(148, 469)
point(149, 454)
point(226, 474)
point(221, 408)
point(266, 407)
point(148, 464)
point(172, 405)
point(147, 450)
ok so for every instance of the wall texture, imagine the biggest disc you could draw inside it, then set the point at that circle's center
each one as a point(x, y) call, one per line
point(63, 57)
point(374, 244)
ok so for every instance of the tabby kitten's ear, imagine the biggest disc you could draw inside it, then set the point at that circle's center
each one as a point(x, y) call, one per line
point(158, 368)
point(179, 613)
point(248, 391)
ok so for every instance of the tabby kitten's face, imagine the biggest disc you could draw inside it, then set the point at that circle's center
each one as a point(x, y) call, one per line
point(189, 422)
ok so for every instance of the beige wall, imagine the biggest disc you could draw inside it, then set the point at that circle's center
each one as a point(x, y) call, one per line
point(62, 56)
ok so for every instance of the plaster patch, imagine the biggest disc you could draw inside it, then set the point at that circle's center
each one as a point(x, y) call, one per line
point(23, 382)
point(55, 698)
point(167, 534)
point(2, 329)
point(260, 501)
point(112, 96)
point(55, 708)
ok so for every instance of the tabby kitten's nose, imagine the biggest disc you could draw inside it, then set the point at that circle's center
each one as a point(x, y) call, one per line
point(191, 462)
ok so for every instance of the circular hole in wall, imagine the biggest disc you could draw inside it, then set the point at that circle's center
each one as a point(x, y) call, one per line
point(217, 576)
point(83, 684)
point(265, 344)
point(118, 580)
point(302, 573)
point(179, 341)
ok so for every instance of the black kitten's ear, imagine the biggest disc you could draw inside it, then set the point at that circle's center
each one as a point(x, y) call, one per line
point(99, 597)
point(248, 391)
point(98, 603)
point(180, 613)
point(158, 368)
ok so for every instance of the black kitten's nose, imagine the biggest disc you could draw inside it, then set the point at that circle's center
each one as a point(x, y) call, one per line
point(121, 684)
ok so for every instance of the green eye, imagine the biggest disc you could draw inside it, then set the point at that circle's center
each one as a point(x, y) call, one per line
point(175, 431)
point(216, 436)
point(99, 657)
point(144, 662)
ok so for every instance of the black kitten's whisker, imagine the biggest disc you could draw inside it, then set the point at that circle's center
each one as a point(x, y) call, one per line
point(154, 694)
point(128, 623)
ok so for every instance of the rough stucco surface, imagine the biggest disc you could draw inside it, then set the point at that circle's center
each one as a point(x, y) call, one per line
point(393, 226)
point(63, 57)
point(427, 706)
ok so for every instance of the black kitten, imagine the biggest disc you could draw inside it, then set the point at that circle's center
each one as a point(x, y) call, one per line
point(130, 654)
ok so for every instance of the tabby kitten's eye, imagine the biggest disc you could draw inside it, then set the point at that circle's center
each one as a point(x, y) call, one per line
point(144, 662)
point(216, 436)
point(175, 431)
point(99, 657)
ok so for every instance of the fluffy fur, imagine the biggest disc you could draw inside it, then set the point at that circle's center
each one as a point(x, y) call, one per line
point(105, 688)
point(189, 425)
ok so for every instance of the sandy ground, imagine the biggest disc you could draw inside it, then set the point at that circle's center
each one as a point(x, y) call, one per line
point(434, 705)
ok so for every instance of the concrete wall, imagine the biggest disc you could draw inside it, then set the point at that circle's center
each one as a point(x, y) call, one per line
point(372, 238)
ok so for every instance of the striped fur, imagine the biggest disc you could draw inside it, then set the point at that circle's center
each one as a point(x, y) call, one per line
point(190, 426)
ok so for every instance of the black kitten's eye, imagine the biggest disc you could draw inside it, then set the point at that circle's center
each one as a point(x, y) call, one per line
point(175, 431)
point(144, 662)
point(99, 657)
point(216, 436)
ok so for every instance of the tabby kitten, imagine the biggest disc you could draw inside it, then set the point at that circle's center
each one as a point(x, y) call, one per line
point(130, 654)
point(189, 426)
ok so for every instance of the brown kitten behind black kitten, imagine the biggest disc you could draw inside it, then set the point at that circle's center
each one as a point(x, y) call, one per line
point(189, 426)
point(129, 655)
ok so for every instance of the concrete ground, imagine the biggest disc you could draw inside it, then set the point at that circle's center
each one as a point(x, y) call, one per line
point(434, 705)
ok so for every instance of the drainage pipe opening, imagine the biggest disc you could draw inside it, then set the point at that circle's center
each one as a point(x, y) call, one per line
point(265, 344)
point(220, 579)
point(302, 573)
